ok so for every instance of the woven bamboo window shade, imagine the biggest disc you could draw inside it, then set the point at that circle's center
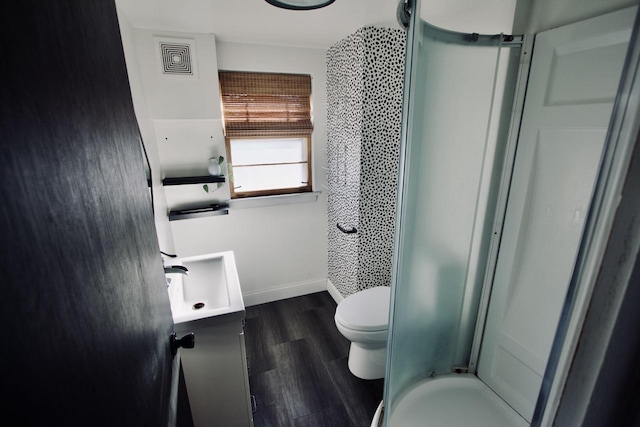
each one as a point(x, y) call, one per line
point(265, 104)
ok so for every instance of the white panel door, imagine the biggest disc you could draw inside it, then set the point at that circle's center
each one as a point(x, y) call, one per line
point(572, 86)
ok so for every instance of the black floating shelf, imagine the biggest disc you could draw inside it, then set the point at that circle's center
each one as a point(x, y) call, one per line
point(213, 210)
point(185, 180)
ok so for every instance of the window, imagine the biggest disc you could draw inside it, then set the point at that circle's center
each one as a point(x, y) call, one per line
point(267, 123)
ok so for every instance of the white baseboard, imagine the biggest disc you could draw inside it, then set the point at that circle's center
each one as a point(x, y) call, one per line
point(334, 292)
point(282, 292)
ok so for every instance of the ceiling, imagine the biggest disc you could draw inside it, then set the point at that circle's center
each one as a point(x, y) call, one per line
point(256, 21)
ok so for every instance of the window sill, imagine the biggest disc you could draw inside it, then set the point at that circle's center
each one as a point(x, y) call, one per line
point(282, 199)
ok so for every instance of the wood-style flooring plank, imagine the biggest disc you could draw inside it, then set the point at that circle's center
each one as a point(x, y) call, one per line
point(305, 381)
point(282, 321)
point(359, 397)
point(299, 373)
point(329, 342)
point(274, 415)
point(259, 349)
point(271, 407)
point(335, 416)
point(306, 302)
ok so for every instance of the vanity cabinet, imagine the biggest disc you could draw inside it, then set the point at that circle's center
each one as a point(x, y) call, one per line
point(215, 371)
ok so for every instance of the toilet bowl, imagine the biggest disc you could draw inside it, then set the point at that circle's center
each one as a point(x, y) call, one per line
point(363, 318)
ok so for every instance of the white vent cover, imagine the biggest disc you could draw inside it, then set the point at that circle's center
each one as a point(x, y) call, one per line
point(176, 57)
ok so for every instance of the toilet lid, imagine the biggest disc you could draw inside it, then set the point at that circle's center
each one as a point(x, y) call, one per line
point(367, 310)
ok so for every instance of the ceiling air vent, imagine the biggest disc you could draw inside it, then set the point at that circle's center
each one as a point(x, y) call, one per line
point(177, 57)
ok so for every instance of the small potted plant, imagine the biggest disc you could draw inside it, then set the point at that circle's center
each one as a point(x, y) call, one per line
point(214, 170)
point(214, 165)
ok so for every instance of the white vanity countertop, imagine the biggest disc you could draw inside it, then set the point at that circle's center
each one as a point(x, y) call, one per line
point(209, 294)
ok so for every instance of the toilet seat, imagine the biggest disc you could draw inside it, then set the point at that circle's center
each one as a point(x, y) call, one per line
point(365, 311)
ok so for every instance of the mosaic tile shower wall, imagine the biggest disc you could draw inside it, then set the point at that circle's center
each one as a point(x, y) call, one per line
point(364, 106)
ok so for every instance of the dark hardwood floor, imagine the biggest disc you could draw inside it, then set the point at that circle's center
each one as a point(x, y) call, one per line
point(298, 369)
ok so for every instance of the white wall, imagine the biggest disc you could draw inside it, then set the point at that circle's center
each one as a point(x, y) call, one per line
point(496, 16)
point(534, 16)
point(280, 251)
point(165, 237)
point(531, 16)
point(477, 16)
point(171, 97)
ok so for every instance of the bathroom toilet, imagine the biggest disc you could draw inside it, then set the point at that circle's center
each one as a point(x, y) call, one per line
point(363, 318)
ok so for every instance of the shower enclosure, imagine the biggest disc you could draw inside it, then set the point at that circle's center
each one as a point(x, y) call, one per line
point(464, 95)
point(452, 161)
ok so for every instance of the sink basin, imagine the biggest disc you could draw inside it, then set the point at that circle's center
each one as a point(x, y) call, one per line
point(211, 288)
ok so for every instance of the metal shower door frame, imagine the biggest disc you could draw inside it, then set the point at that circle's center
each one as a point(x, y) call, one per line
point(503, 196)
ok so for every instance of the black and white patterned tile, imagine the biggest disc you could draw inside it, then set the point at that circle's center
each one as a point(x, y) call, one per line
point(365, 74)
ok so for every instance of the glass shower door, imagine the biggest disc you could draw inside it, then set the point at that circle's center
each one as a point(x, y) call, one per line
point(459, 91)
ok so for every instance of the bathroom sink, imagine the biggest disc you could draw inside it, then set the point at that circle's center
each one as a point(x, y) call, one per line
point(210, 289)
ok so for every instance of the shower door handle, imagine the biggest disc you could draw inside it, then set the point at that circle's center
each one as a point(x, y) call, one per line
point(345, 231)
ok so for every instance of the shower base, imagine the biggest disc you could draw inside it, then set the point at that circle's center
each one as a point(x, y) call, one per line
point(453, 400)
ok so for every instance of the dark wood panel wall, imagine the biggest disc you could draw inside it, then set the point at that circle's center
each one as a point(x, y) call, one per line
point(82, 302)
